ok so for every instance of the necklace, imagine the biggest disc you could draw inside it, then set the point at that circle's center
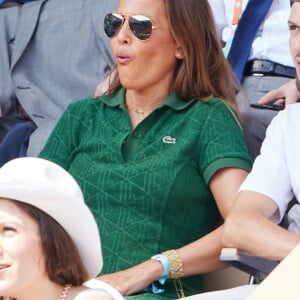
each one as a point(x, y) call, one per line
point(141, 112)
point(65, 291)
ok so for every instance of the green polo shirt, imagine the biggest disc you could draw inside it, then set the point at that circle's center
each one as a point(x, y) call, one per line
point(148, 188)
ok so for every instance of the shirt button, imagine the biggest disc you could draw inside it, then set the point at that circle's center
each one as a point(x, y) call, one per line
point(137, 135)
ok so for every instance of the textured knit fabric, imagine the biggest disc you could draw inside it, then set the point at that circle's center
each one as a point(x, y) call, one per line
point(148, 188)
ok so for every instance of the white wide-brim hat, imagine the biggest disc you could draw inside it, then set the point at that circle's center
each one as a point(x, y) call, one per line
point(52, 189)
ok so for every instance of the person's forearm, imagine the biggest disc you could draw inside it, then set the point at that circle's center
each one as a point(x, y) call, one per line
point(202, 256)
point(255, 234)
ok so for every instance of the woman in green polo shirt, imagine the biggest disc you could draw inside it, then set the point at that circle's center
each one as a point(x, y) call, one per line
point(161, 155)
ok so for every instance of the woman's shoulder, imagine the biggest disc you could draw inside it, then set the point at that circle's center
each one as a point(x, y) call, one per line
point(210, 103)
point(87, 102)
point(93, 102)
point(213, 106)
point(85, 105)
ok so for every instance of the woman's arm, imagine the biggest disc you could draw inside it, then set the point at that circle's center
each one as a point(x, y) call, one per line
point(201, 256)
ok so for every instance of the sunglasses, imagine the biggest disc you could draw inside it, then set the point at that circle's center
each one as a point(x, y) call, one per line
point(141, 26)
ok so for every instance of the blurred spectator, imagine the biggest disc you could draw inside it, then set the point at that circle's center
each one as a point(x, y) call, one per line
point(269, 64)
point(52, 53)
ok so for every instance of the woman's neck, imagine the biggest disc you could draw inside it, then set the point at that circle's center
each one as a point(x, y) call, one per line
point(45, 290)
point(140, 105)
point(146, 101)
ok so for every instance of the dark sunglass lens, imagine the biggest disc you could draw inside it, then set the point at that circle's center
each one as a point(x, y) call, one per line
point(141, 26)
point(112, 23)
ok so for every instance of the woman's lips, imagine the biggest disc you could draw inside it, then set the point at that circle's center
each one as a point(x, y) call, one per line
point(3, 266)
point(122, 58)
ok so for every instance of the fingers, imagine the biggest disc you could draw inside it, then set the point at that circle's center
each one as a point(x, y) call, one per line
point(115, 281)
point(125, 282)
point(280, 101)
point(270, 97)
point(287, 94)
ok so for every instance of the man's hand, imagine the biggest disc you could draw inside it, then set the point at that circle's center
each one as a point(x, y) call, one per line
point(286, 94)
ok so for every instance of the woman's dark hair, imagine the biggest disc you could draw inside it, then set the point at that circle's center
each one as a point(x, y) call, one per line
point(62, 259)
point(204, 71)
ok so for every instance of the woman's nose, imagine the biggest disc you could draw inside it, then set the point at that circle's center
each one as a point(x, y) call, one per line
point(124, 35)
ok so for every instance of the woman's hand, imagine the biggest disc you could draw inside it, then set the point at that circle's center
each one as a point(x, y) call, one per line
point(135, 279)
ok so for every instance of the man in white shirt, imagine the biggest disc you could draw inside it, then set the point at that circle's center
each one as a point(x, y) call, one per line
point(274, 180)
point(269, 51)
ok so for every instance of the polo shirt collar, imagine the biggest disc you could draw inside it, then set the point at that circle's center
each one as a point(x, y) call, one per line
point(115, 99)
point(176, 103)
point(172, 101)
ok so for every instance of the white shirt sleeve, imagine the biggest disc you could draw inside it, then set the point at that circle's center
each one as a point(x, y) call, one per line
point(270, 173)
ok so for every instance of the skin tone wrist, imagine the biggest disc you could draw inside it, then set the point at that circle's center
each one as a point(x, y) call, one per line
point(155, 269)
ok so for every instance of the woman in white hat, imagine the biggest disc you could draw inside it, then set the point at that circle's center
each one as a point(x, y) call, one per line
point(45, 252)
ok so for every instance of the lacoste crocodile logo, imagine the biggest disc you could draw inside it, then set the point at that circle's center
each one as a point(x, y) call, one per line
point(169, 140)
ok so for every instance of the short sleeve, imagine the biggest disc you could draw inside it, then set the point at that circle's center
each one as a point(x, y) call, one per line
point(270, 174)
point(221, 141)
